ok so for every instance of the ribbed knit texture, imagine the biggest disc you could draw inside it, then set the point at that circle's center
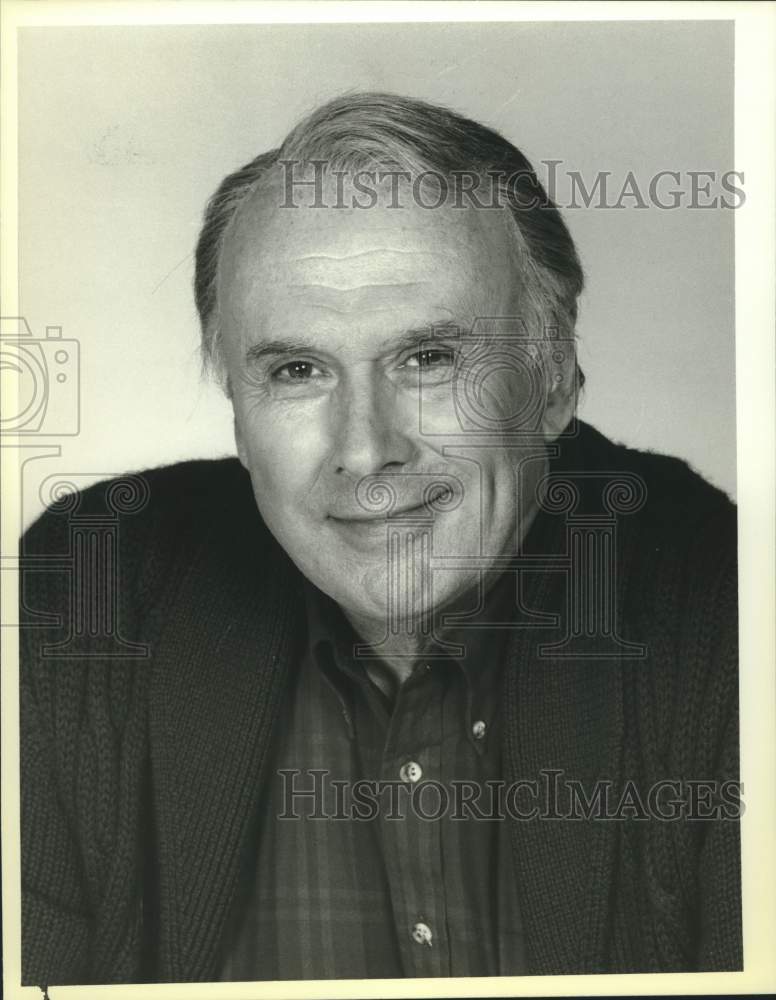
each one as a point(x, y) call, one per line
point(141, 778)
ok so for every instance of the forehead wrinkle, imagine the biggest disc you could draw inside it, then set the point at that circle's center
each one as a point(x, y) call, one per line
point(360, 286)
point(355, 298)
point(383, 267)
point(349, 312)
point(364, 253)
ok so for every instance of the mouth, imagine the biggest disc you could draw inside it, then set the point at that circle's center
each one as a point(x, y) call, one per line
point(432, 505)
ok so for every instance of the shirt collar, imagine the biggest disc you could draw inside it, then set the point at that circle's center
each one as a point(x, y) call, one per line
point(475, 645)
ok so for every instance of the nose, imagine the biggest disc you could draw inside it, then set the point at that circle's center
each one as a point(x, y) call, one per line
point(367, 429)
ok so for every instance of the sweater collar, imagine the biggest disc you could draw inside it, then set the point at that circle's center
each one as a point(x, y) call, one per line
point(220, 671)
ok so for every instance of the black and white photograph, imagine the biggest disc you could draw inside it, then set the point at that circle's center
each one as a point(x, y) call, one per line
point(378, 430)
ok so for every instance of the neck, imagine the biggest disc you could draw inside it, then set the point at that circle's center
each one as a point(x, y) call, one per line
point(399, 651)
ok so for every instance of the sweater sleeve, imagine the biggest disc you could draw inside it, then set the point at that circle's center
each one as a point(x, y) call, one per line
point(82, 752)
point(720, 945)
point(57, 916)
point(700, 711)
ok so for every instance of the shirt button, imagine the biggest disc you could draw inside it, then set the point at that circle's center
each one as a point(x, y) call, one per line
point(479, 729)
point(421, 934)
point(411, 772)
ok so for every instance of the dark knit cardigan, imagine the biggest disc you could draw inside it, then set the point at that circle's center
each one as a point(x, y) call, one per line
point(141, 775)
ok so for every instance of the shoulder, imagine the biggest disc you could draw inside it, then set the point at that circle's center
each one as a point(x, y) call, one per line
point(660, 502)
point(163, 503)
point(101, 568)
point(678, 587)
point(673, 554)
point(147, 527)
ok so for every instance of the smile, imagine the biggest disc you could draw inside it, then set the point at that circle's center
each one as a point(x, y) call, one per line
point(435, 504)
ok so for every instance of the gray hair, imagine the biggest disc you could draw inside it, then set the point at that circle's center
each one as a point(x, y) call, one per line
point(374, 129)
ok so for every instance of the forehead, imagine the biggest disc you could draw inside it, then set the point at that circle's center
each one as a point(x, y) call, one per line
point(278, 259)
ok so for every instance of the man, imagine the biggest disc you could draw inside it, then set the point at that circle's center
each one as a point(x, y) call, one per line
point(436, 680)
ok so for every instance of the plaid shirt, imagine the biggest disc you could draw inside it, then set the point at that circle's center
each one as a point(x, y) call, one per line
point(363, 886)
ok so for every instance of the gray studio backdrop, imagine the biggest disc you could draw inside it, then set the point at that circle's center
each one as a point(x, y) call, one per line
point(124, 132)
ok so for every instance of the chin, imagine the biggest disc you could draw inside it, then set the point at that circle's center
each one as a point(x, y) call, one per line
point(401, 588)
point(373, 601)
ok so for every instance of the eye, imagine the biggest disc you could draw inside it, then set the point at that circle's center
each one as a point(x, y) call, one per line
point(296, 371)
point(437, 357)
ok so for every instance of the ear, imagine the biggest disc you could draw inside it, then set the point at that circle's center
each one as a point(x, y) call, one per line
point(562, 391)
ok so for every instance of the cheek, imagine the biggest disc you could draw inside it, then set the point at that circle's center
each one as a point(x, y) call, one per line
point(285, 450)
point(434, 412)
point(509, 398)
point(500, 494)
point(490, 398)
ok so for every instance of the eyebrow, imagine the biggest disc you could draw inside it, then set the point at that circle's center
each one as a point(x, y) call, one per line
point(274, 348)
point(412, 338)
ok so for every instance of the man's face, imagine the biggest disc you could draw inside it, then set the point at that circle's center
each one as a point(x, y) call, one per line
point(325, 317)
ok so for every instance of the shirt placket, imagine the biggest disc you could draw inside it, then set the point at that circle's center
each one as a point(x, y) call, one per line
point(412, 844)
